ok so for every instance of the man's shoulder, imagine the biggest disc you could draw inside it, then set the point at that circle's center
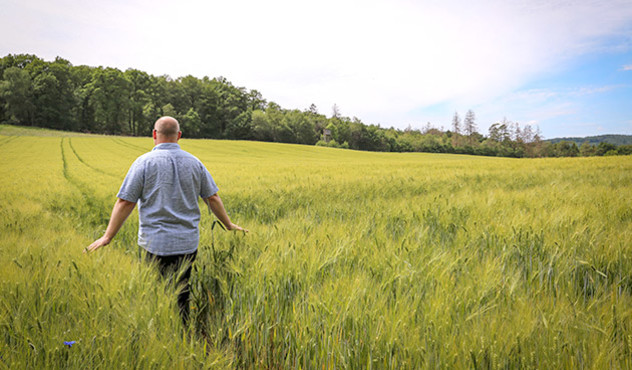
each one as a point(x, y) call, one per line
point(178, 154)
point(184, 155)
point(143, 157)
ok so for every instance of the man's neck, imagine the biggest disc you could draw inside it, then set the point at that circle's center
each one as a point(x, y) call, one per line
point(159, 141)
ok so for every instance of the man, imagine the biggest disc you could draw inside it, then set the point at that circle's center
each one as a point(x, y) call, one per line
point(166, 182)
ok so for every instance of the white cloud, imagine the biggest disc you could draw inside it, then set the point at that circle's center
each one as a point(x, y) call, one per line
point(627, 67)
point(558, 112)
point(589, 90)
point(377, 59)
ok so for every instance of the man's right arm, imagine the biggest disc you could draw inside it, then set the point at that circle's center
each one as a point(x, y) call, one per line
point(214, 202)
point(120, 212)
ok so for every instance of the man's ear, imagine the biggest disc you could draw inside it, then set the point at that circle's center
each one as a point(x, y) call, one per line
point(179, 134)
point(153, 134)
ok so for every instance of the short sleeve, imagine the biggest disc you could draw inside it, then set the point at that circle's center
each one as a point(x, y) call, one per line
point(132, 186)
point(208, 186)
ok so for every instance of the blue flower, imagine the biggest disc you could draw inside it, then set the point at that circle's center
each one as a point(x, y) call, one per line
point(70, 343)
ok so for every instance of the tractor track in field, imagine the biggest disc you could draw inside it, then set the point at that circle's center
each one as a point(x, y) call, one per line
point(63, 159)
point(86, 163)
point(8, 139)
point(128, 145)
point(87, 195)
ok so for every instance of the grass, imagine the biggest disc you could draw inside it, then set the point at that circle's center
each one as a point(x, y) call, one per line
point(354, 260)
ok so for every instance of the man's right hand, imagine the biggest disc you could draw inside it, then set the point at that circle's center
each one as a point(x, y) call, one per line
point(102, 241)
point(120, 212)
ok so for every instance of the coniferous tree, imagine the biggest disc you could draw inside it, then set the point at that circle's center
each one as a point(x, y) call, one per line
point(469, 123)
point(335, 111)
point(456, 123)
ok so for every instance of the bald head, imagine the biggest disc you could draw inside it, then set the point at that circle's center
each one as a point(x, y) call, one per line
point(167, 129)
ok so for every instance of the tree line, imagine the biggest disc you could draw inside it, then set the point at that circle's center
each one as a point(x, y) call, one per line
point(104, 100)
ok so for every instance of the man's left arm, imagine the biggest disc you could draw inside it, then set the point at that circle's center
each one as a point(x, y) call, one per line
point(215, 204)
point(122, 210)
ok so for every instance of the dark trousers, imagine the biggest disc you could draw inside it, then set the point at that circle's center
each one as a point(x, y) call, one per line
point(179, 267)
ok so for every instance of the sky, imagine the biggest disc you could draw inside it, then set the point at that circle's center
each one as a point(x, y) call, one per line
point(563, 66)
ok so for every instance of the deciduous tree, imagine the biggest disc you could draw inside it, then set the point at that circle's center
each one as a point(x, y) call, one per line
point(16, 92)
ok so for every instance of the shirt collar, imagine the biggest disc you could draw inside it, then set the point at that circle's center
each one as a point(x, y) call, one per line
point(166, 146)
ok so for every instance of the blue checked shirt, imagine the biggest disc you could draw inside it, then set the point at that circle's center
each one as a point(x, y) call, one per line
point(166, 183)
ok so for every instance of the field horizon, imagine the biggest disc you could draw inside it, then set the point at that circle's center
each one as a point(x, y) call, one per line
point(354, 259)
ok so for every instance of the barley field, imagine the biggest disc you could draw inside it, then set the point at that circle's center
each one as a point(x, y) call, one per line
point(353, 260)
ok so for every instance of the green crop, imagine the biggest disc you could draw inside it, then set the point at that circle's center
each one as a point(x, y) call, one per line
point(353, 260)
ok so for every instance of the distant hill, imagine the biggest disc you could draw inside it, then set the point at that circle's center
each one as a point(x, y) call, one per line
point(595, 140)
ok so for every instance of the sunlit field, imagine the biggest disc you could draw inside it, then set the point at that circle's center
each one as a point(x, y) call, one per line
point(353, 260)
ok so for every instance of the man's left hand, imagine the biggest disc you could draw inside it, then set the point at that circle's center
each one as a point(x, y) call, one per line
point(234, 227)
